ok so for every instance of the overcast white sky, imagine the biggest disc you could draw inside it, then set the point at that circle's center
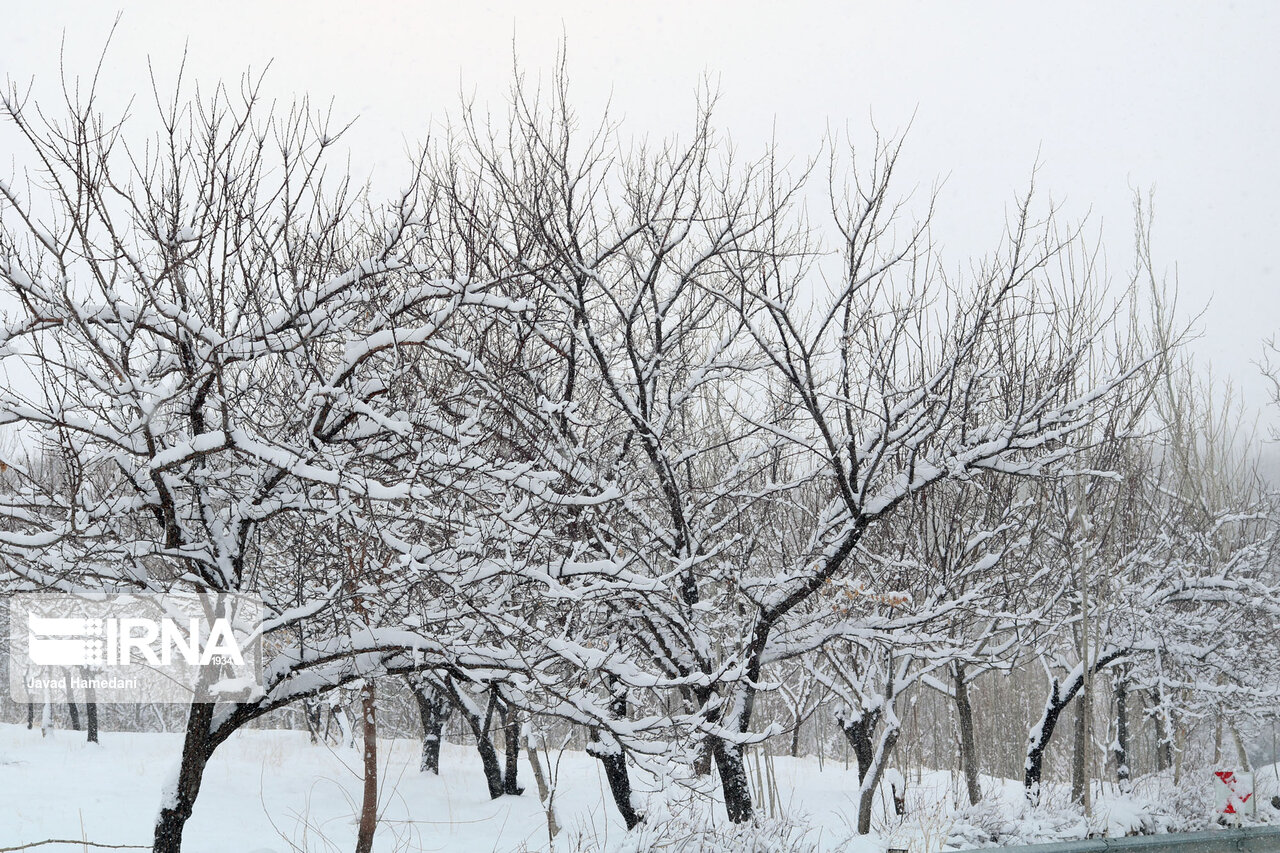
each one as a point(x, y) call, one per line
point(1182, 97)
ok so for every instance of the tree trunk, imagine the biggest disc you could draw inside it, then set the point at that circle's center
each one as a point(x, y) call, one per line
point(1164, 732)
point(968, 746)
point(1038, 742)
point(91, 714)
point(346, 731)
point(313, 715)
point(605, 747)
point(609, 752)
point(1164, 753)
point(492, 767)
point(870, 779)
point(1179, 751)
point(546, 795)
point(369, 804)
point(1164, 743)
point(858, 732)
point(433, 708)
point(197, 746)
point(1122, 732)
point(1079, 754)
point(72, 710)
point(511, 751)
point(31, 715)
point(705, 759)
point(733, 780)
point(1042, 731)
point(480, 729)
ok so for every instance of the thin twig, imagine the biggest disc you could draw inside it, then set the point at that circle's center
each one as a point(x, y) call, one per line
point(78, 841)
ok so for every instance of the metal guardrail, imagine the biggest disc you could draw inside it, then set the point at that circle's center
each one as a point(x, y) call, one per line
point(1253, 839)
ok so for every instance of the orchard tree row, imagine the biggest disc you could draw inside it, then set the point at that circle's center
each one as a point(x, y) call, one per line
point(671, 447)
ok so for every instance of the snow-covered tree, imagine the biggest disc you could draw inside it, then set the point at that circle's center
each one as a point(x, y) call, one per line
point(239, 344)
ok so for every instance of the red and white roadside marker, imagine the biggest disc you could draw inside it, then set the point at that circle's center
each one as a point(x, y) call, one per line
point(1233, 794)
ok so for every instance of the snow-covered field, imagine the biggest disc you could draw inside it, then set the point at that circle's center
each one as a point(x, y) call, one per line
point(274, 791)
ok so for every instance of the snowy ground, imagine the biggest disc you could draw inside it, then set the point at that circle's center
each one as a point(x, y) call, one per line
point(273, 791)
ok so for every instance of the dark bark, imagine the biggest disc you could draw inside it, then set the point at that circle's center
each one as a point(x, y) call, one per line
point(369, 802)
point(197, 746)
point(1164, 754)
point(1038, 740)
point(703, 760)
point(859, 732)
point(314, 715)
point(91, 715)
point(434, 709)
point(733, 781)
point(702, 764)
point(899, 799)
point(489, 761)
point(968, 744)
point(480, 729)
point(1079, 755)
point(492, 769)
point(72, 710)
point(614, 760)
point(1122, 730)
point(31, 715)
point(511, 748)
point(615, 772)
point(867, 795)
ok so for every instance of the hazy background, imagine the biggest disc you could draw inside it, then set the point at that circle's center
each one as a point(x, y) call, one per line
point(1179, 97)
